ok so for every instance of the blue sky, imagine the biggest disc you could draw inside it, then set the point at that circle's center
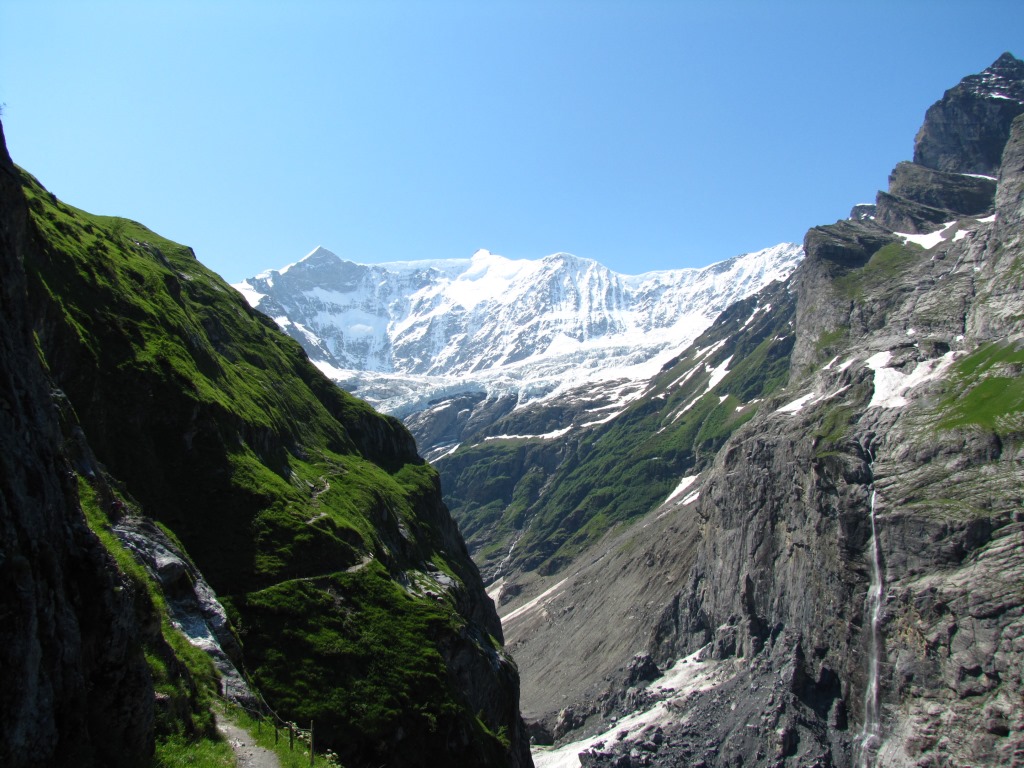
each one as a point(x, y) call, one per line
point(645, 134)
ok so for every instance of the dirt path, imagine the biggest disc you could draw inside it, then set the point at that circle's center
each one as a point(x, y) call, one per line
point(249, 755)
point(360, 565)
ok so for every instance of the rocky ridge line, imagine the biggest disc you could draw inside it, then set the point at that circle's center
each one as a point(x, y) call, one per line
point(902, 387)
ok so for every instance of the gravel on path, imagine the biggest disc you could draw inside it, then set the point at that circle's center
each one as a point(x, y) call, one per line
point(248, 753)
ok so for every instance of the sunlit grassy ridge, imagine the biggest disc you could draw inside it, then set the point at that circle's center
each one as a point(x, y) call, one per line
point(276, 481)
point(216, 386)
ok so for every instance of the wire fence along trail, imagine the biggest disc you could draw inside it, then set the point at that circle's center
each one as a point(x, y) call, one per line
point(264, 715)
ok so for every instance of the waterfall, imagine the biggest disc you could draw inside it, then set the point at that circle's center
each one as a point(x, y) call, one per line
point(870, 735)
point(500, 570)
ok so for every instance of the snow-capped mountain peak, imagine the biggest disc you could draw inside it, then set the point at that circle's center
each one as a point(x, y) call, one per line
point(317, 255)
point(490, 322)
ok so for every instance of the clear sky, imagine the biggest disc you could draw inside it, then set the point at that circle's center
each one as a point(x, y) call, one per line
point(644, 134)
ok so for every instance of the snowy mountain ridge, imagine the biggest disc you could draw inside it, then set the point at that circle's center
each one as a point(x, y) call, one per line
point(527, 326)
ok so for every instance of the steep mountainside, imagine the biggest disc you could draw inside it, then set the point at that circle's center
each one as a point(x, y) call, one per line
point(840, 583)
point(965, 131)
point(75, 689)
point(310, 514)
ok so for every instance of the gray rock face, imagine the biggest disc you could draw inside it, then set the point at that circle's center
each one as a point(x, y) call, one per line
point(919, 198)
point(1010, 195)
point(837, 251)
point(786, 555)
point(863, 211)
point(961, 194)
point(75, 687)
point(788, 546)
point(193, 605)
point(850, 588)
point(966, 130)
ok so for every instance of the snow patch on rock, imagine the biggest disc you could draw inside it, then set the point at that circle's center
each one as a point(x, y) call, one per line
point(892, 385)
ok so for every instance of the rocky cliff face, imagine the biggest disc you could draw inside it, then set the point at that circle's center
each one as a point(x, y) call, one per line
point(957, 153)
point(845, 585)
point(898, 462)
point(76, 690)
point(966, 130)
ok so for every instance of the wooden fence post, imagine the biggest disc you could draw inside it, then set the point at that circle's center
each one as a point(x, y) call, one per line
point(291, 736)
point(311, 743)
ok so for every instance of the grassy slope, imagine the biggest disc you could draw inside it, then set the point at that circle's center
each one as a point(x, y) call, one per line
point(986, 391)
point(217, 425)
point(624, 468)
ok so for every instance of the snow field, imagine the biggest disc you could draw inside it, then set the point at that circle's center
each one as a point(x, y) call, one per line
point(686, 676)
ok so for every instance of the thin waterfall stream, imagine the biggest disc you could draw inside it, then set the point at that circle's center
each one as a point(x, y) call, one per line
point(870, 735)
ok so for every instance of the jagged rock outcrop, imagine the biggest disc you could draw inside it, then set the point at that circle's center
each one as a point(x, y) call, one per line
point(956, 153)
point(966, 130)
point(919, 198)
point(895, 455)
point(863, 211)
point(192, 604)
point(823, 313)
point(75, 688)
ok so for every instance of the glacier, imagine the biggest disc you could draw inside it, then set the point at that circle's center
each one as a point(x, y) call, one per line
point(404, 333)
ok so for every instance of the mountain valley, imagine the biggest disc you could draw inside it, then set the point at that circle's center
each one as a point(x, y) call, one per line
point(797, 542)
point(504, 370)
point(765, 513)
